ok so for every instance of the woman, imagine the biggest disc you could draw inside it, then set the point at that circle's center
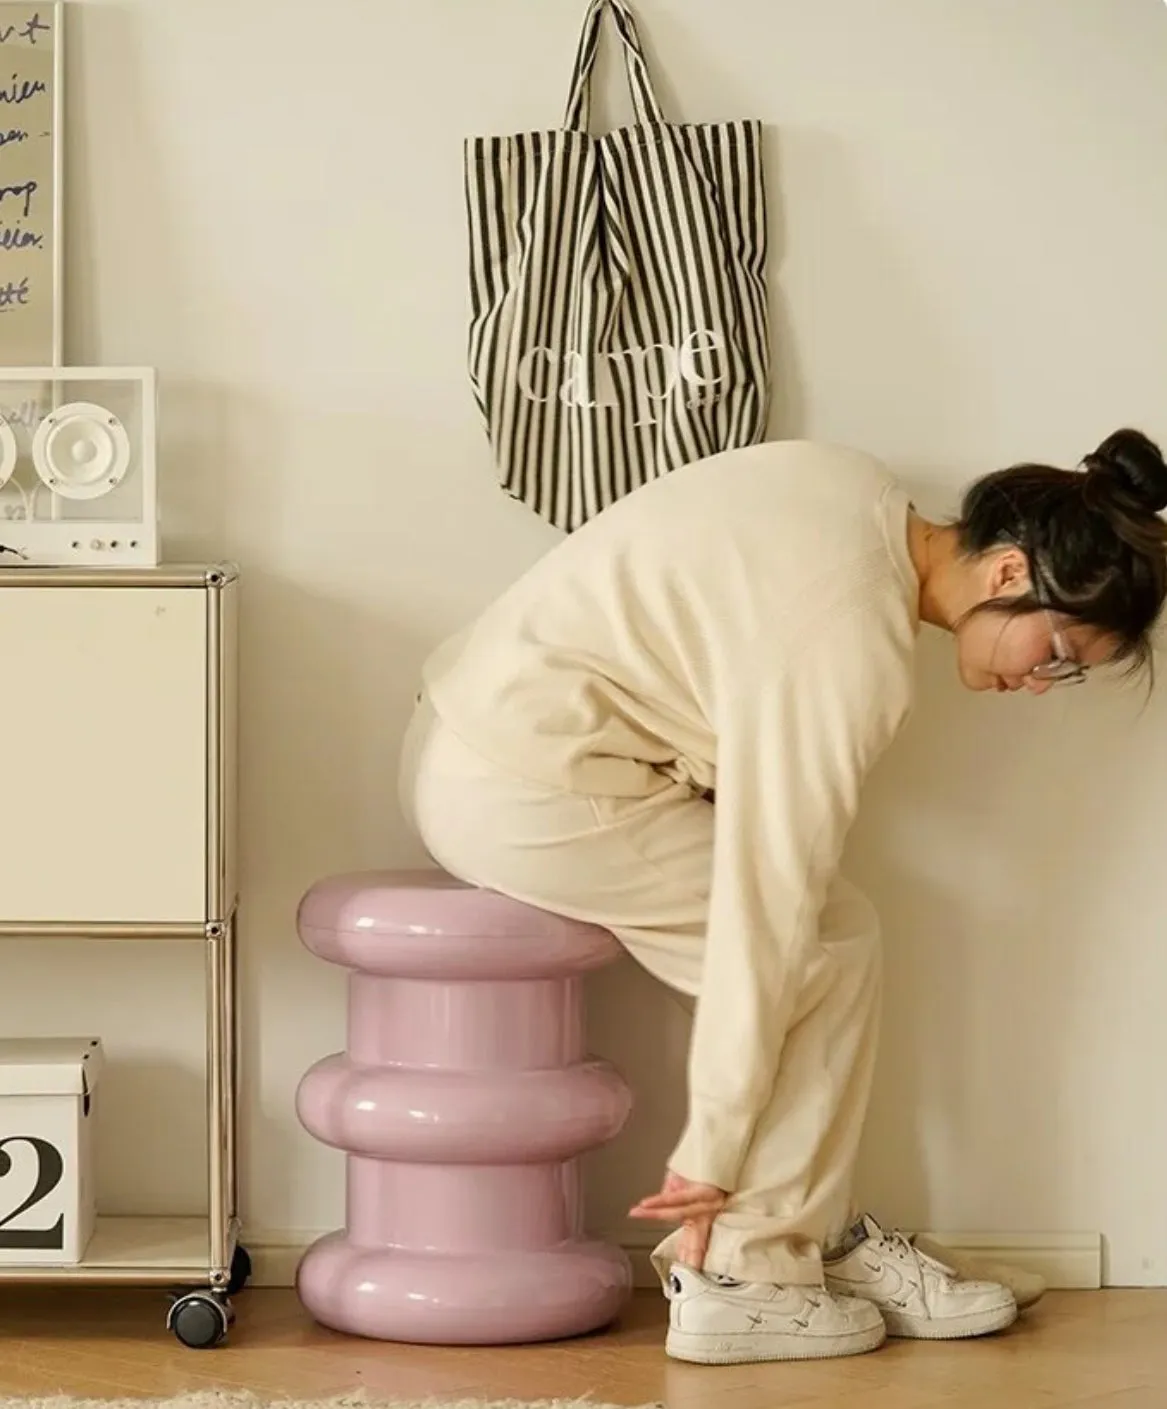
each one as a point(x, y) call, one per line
point(663, 728)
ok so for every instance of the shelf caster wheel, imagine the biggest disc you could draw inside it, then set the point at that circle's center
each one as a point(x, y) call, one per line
point(240, 1271)
point(200, 1320)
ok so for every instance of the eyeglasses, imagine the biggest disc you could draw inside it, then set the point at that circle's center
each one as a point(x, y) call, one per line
point(1063, 669)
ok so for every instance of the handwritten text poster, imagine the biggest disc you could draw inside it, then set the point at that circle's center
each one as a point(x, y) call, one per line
point(28, 102)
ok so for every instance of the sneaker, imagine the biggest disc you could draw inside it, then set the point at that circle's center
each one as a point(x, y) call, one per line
point(918, 1296)
point(716, 1320)
point(1027, 1287)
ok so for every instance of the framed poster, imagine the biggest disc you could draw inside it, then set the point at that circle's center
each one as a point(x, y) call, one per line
point(31, 143)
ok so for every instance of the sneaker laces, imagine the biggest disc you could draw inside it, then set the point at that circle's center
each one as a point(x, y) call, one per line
point(900, 1245)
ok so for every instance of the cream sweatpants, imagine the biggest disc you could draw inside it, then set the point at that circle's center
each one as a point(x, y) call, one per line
point(641, 868)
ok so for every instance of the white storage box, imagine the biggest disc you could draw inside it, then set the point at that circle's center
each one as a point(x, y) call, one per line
point(47, 1104)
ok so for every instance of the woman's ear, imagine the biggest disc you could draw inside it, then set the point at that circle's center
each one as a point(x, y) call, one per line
point(1008, 573)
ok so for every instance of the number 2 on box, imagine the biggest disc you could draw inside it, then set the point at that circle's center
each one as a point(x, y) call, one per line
point(50, 1168)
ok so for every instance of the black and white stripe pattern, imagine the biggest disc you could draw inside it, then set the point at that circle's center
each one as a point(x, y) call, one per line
point(619, 325)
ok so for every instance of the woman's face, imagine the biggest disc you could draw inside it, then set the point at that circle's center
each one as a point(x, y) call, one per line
point(1000, 652)
point(997, 652)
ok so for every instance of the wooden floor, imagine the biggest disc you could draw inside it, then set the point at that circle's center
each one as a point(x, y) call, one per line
point(1093, 1350)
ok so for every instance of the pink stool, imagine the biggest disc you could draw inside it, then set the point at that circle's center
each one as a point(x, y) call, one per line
point(463, 1103)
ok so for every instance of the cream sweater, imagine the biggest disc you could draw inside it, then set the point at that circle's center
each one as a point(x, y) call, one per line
point(747, 624)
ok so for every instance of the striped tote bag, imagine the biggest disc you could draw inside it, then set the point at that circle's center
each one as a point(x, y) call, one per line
point(618, 300)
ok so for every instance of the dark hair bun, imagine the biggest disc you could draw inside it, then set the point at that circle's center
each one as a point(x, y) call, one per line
point(1134, 464)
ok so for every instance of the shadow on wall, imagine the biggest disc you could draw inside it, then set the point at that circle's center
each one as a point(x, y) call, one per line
point(788, 399)
point(995, 881)
point(329, 684)
point(643, 1029)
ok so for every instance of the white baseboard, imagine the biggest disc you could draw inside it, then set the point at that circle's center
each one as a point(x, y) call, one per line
point(1065, 1260)
point(275, 1255)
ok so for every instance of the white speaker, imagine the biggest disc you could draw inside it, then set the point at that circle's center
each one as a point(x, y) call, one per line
point(78, 466)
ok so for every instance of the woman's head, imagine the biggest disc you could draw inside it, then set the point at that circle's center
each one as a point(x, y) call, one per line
point(1068, 567)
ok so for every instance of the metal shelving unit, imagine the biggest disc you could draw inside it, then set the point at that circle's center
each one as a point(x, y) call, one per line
point(146, 636)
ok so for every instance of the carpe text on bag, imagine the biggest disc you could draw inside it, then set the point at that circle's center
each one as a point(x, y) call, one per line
point(673, 369)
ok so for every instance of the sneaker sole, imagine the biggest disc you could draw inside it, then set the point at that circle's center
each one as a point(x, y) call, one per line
point(753, 1347)
point(950, 1328)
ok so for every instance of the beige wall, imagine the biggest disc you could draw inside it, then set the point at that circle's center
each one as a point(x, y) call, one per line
point(970, 265)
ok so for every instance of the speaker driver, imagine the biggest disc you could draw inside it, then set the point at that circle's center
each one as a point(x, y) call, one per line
point(8, 452)
point(81, 451)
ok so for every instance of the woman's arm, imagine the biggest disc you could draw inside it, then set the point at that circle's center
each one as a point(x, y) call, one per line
point(796, 739)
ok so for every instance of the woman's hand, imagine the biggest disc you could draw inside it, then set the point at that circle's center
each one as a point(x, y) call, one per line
point(693, 1206)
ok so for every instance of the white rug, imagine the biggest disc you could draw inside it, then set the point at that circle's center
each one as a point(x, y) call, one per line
point(213, 1399)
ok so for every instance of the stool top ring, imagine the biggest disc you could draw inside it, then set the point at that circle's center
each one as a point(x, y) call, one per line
point(430, 925)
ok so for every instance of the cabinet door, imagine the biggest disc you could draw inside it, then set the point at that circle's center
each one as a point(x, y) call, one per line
point(103, 784)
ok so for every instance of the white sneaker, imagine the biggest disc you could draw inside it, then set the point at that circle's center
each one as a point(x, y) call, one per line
point(715, 1320)
point(919, 1296)
point(1027, 1287)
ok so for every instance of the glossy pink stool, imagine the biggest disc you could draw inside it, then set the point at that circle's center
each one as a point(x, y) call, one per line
point(463, 1103)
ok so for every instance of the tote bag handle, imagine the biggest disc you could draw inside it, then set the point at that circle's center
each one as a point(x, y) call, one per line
point(648, 108)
